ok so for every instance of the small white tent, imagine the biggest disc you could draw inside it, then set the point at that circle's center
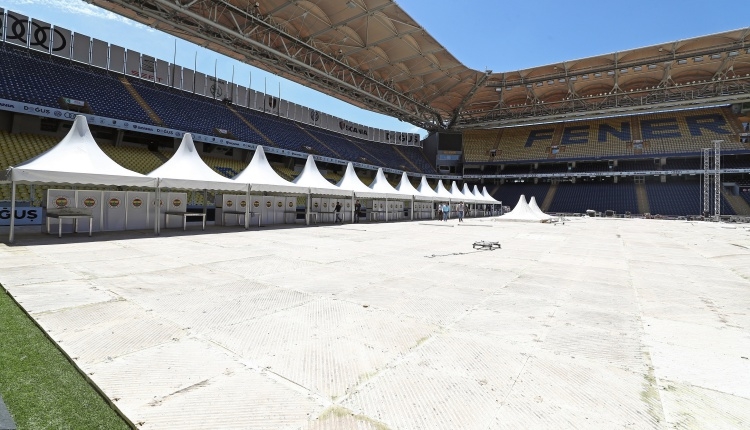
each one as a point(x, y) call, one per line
point(75, 160)
point(350, 181)
point(405, 187)
point(380, 185)
point(261, 176)
point(187, 171)
point(521, 212)
point(315, 183)
point(426, 191)
point(537, 211)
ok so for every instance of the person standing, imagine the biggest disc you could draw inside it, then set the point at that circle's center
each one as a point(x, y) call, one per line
point(357, 209)
point(461, 208)
point(446, 210)
point(439, 211)
point(338, 213)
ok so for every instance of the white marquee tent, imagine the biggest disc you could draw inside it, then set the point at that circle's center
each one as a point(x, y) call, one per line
point(75, 160)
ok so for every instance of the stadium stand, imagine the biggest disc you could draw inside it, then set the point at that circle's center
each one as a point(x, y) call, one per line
point(598, 196)
point(679, 198)
point(509, 193)
point(677, 133)
point(54, 78)
point(110, 94)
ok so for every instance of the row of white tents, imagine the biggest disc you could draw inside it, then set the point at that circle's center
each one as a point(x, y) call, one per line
point(78, 160)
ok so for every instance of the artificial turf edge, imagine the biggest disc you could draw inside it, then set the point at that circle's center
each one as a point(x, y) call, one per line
point(40, 384)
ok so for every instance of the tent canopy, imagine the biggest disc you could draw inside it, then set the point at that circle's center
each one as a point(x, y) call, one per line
point(426, 191)
point(186, 170)
point(77, 159)
point(380, 185)
point(442, 193)
point(405, 187)
point(261, 176)
point(350, 181)
point(311, 179)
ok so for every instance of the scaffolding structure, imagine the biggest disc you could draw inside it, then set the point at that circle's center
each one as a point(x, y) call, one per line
point(710, 173)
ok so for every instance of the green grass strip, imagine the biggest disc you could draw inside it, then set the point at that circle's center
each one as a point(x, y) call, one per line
point(40, 387)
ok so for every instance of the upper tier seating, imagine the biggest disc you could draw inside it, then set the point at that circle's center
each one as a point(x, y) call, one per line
point(598, 196)
point(663, 134)
point(32, 77)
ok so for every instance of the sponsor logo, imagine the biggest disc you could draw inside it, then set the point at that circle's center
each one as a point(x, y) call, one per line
point(89, 202)
point(137, 202)
point(37, 110)
point(176, 202)
point(268, 204)
point(256, 204)
point(30, 214)
point(114, 202)
point(164, 131)
point(290, 204)
point(69, 115)
point(279, 204)
point(229, 203)
point(325, 205)
point(243, 204)
point(314, 115)
point(8, 105)
point(315, 205)
point(40, 35)
point(142, 127)
point(58, 113)
point(61, 202)
point(216, 91)
point(273, 102)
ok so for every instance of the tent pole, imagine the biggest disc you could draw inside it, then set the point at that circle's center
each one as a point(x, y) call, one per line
point(247, 208)
point(386, 208)
point(205, 201)
point(411, 212)
point(353, 207)
point(157, 209)
point(307, 209)
point(11, 236)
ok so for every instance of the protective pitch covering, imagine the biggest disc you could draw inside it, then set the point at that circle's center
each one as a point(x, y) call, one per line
point(77, 159)
point(187, 171)
point(261, 176)
point(315, 183)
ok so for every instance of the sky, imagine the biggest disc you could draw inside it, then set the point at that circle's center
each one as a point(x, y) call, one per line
point(497, 35)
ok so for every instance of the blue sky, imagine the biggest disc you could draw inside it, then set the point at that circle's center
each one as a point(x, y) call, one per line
point(483, 34)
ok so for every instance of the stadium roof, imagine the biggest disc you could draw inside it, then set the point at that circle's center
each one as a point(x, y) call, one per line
point(374, 55)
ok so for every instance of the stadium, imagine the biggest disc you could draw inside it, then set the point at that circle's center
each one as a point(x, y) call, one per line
point(196, 251)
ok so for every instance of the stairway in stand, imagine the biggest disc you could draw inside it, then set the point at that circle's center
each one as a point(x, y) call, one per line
point(738, 204)
point(150, 112)
point(549, 197)
point(642, 196)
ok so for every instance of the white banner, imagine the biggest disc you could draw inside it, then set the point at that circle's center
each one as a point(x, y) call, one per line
point(81, 47)
point(162, 72)
point(133, 63)
point(200, 83)
point(25, 215)
point(217, 88)
point(40, 35)
point(148, 68)
point(175, 76)
point(99, 53)
point(17, 29)
point(62, 42)
point(188, 80)
point(117, 58)
point(241, 96)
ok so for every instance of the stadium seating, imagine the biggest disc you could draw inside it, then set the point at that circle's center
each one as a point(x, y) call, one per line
point(665, 134)
point(679, 198)
point(108, 96)
point(598, 196)
point(509, 192)
point(53, 78)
